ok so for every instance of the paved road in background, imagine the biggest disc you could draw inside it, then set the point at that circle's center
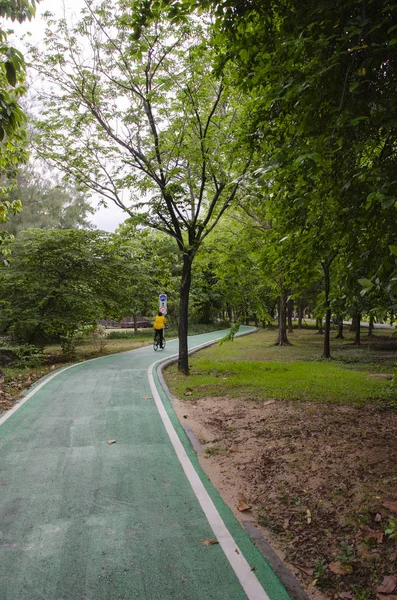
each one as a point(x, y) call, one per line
point(81, 519)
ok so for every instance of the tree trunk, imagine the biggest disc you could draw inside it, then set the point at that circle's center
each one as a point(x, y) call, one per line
point(256, 319)
point(186, 280)
point(340, 335)
point(371, 326)
point(282, 339)
point(300, 313)
point(229, 312)
point(353, 326)
point(327, 332)
point(135, 325)
point(319, 325)
point(290, 308)
point(357, 339)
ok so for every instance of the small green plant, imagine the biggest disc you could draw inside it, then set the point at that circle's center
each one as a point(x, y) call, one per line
point(96, 336)
point(391, 529)
point(299, 500)
point(28, 355)
point(320, 568)
point(365, 516)
point(361, 593)
point(213, 450)
point(268, 522)
point(346, 554)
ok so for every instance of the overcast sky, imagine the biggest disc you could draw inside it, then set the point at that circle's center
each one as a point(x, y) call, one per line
point(105, 218)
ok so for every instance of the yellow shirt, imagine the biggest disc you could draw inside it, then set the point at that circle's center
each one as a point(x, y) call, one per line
point(159, 322)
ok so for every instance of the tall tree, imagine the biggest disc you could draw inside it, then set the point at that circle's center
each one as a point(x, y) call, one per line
point(58, 281)
point(138, 115)
point(47, 204)
point(12, 118)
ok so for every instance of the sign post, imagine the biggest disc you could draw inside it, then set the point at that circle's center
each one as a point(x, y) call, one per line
point(163, 304)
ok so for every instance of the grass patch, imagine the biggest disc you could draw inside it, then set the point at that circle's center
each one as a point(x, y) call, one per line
point(253, 367)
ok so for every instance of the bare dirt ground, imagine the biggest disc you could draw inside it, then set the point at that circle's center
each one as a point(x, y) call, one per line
point(319, 480)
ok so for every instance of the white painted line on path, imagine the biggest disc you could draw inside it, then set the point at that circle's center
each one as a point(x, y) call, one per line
point(240, 566)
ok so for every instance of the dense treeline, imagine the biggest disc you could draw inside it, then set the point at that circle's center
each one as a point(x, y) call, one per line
point(260, 138)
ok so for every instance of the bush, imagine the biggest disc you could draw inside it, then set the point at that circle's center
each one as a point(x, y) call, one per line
point(22, 355)
point(129, 335)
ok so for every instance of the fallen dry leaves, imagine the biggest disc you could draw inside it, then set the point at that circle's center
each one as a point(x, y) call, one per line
point(340, 569)
point(111, 442)
point(209, 542)
point(366, 533)
point(390, 505)
point(243, 504)
point(306, 570)
point(388, 585)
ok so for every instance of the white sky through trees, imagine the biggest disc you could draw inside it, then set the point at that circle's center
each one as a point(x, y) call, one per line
point(108, 218)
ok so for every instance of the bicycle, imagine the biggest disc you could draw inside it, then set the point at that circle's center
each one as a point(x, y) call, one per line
point(156, 341)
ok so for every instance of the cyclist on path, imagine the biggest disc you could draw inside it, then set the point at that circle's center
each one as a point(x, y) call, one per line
point(159, 325)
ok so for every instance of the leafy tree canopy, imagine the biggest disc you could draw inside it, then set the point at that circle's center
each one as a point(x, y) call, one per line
point(12, 118)
point(47, 204)
point(144, 120)
point(58, 281)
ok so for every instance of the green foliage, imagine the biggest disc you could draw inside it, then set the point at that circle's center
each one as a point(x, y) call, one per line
point(12, 118)
point(320, 568)
point(156, 268)
point(232, 333)
point(47, 203)
point(58, 281)
point(346, 554)
point(391, 529)
point(20, 356)
point(152, 118)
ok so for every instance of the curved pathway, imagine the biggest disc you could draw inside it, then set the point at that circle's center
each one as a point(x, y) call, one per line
point(82, 519)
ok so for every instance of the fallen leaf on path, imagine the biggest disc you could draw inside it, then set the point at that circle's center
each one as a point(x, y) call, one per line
point(388, 584)
point(308, 516)
point(268, 402)
point(147, 397)
point(286, 523)
point(111, 442)
point(243, 503)
point(378, 518)
point(209, 542)
point(258, 496)
point(306, 570)
point(185, 416)
point(367, 533)
point(390, 505)
point(188, 393)
point(233, 449)
point(253, 568)
point(236, 551)
point(314, 582)
point(340, 569)
point(346, 595)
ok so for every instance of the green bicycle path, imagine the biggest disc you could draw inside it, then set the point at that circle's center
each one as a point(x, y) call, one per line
point(84, 520)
